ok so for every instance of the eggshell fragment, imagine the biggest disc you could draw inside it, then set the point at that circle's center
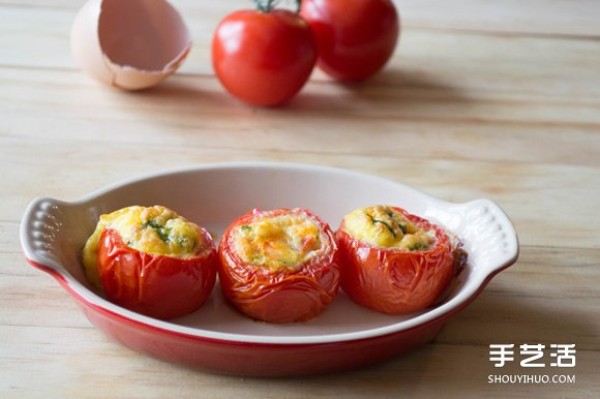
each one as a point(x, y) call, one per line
point(132, 44)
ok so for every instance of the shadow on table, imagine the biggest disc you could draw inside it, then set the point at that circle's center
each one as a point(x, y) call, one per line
point(392, 92)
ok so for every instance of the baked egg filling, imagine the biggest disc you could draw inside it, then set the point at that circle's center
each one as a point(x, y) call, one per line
point(387, 227)
point(278, 243)
point(155, 230)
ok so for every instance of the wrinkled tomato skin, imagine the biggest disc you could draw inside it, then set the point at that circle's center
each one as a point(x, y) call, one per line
point(158, 286)
point(396, 281)
point(355, 39)
point(263, 58)
point(275, 296)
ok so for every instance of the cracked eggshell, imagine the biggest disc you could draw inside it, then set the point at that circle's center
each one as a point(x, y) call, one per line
point(132, 45)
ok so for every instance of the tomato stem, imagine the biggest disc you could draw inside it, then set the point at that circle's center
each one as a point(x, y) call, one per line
point(264, 5)
point(269, 5)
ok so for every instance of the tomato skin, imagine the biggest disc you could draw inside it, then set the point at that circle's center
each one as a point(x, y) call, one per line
point(158, 286)
point(275, 296)
point(355, 39)
point(263, 58)
point(397, 281)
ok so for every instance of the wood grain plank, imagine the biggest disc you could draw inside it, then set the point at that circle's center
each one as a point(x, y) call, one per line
point(193, 111)
point(574, 17)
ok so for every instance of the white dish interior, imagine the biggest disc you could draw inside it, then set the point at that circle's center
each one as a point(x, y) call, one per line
point(53, 233)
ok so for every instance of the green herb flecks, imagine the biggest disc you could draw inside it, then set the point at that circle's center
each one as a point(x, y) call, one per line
point(162, 232)
point(386, 224)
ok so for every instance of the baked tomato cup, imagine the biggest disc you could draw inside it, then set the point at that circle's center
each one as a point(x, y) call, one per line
point(395, 262)
point(279, 266)
point(152, 261)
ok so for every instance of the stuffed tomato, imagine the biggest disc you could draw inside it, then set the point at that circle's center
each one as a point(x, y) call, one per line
point(279, 266)
point(152, 261)
point(396, 262)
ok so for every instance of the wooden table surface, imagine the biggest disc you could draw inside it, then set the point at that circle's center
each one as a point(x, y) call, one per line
point(481, 99)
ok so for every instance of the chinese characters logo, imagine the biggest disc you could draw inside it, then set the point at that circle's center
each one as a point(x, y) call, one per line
point(533, 356)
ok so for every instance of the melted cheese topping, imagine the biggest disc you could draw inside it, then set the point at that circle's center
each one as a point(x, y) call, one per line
point(386, 227)
point(278, 243)
point(155, 230)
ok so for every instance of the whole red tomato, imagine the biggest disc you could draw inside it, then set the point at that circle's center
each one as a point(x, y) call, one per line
point(284, 294)
point(155, 285)
point(355, 39)
point(263, 57)
point(397, 280)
